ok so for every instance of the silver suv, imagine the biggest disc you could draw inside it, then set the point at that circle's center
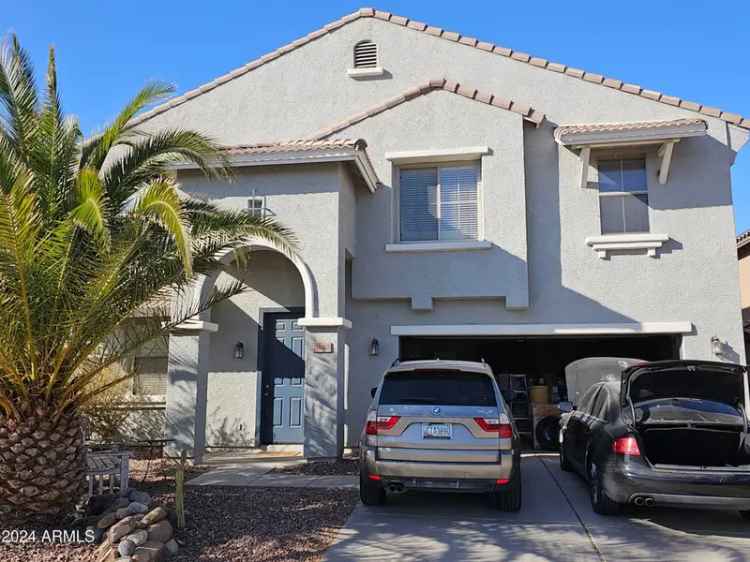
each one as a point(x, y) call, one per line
point(440, 425)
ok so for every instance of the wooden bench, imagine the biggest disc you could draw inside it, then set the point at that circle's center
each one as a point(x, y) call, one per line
point(107, 471)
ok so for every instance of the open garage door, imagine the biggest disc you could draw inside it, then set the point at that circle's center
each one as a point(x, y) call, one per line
point(537, 360)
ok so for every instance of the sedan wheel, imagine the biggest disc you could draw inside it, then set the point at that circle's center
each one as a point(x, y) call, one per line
point(564, 462)
point(600, 502)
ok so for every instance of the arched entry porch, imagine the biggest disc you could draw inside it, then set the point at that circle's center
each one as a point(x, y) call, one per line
point(261, 367)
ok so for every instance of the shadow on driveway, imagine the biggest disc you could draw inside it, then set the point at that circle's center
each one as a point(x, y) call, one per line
point(556, 524)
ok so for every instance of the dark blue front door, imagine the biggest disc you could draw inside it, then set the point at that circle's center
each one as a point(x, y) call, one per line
point(283, 378)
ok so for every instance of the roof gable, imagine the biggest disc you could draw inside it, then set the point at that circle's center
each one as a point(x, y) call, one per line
point(442, 84)
point(453, 36)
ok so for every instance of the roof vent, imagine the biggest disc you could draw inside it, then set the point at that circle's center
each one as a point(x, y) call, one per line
point(365, 55)
point(366, 61)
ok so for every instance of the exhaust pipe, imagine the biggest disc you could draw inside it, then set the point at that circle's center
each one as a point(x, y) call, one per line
point(639, 501)
point(649, 501)
point(396, 488)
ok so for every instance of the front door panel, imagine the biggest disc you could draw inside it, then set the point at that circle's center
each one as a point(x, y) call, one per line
point(283, 378)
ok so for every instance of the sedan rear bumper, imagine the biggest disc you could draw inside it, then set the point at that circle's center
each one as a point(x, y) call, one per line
point(391, 470)
point(709, 488)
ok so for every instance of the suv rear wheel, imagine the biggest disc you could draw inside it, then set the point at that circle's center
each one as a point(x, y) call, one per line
point(509, 499)
point(745, 515)
point(371, 492)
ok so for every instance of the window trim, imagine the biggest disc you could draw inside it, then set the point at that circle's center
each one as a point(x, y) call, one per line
point(434, 245)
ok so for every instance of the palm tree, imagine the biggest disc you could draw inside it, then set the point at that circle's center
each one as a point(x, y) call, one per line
point(92, 233)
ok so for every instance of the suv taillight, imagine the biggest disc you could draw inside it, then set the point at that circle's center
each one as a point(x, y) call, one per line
point(375, 423)
point(501, 426)
point(626, 446)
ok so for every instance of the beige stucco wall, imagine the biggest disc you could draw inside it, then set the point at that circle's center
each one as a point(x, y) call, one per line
point(744, 265)
point(536, 213)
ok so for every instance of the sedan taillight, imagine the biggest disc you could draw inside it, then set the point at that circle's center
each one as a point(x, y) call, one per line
point(496, 425)
point(626, 446)
point(375, 423)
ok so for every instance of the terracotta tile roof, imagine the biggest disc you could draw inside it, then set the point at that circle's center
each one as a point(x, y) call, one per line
point(299, 145)
point(519, 56)
point(524, 110)
point(743, 238)
point(629, 126)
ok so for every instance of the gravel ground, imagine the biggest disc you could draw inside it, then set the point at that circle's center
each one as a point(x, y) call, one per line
point(321, 468)
point(223, 523)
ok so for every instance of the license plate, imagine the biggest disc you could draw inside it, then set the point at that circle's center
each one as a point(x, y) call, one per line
point(436, 430)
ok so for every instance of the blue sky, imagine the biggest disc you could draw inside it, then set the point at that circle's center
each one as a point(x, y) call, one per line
point(694, 49)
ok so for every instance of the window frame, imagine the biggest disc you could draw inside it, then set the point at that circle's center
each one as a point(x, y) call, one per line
point(251, 208)
point(437, 165)
point(621, 155)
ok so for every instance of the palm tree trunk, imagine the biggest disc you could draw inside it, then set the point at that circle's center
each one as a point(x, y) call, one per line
point(42, 463)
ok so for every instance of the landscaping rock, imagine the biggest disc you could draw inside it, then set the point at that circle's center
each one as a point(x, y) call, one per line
point(138, 538)
point(124, 559)
point(99, 504)
point(126, 547)
point(149, 552)
point(122, 528)
point(135, 508)
point(99, 535)
point(161, 531)
point(154, 516)
point(122, 502)
point(107, 520)
point(122, 512)
point(140, 497)
point(172, 547)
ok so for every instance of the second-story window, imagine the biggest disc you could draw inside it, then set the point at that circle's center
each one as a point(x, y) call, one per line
point(439, 203)
point(623, 195)
point(256, 206)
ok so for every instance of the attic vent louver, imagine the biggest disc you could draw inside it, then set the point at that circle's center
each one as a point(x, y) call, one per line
point(365, 55)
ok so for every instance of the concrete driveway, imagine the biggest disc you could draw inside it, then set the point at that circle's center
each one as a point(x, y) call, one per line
point(556, 523)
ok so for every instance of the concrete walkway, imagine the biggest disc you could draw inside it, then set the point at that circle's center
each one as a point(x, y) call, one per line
point(258, 475)
point(555, 524)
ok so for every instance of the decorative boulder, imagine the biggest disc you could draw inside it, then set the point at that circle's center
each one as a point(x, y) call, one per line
point(149, 552)
point(126, 547)
point(122, 502)
point(161, 531)
point(136, 507)
point(121, 528)
point(138, 538)
point(122, 512)
point(155, 515)
point(172, 547)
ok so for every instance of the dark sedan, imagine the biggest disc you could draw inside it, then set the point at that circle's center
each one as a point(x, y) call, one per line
point(661, 433)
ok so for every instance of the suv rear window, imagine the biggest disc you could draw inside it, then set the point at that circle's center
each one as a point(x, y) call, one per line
point(445, 388)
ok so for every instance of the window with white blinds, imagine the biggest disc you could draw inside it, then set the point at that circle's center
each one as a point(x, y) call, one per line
point(623, 196)
point(439, 203)
point(365, 55)
point(150, 376)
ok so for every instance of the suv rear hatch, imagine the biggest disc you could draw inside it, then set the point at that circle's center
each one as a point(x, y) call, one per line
point(689, 414)
point(440, 415)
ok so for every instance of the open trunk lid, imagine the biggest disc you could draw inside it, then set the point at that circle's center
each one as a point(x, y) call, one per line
point(689, 413)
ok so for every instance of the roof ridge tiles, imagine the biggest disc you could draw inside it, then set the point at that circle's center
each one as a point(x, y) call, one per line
point(471, 42)
point(526, 111)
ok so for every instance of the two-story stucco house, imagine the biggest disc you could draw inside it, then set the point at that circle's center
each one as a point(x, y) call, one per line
point(452, 198)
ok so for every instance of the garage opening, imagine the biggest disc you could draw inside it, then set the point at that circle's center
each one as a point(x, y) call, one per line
point(531, 370)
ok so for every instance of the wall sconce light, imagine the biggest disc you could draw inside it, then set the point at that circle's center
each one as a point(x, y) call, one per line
point(717, 347)
point(239, 350)
point(374, 347)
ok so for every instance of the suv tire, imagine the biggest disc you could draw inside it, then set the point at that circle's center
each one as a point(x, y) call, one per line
point(371, 492)
point(745, 515)
point(600, 501)
point(510, 498)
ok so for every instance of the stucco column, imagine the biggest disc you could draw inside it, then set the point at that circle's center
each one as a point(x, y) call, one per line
point(324, 391)
point(186, 391)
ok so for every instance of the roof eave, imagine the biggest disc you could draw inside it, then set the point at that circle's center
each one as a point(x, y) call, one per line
point(355, 155)
point(642, 136)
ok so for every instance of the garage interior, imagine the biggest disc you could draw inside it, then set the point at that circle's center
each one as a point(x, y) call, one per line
point(531, 370)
